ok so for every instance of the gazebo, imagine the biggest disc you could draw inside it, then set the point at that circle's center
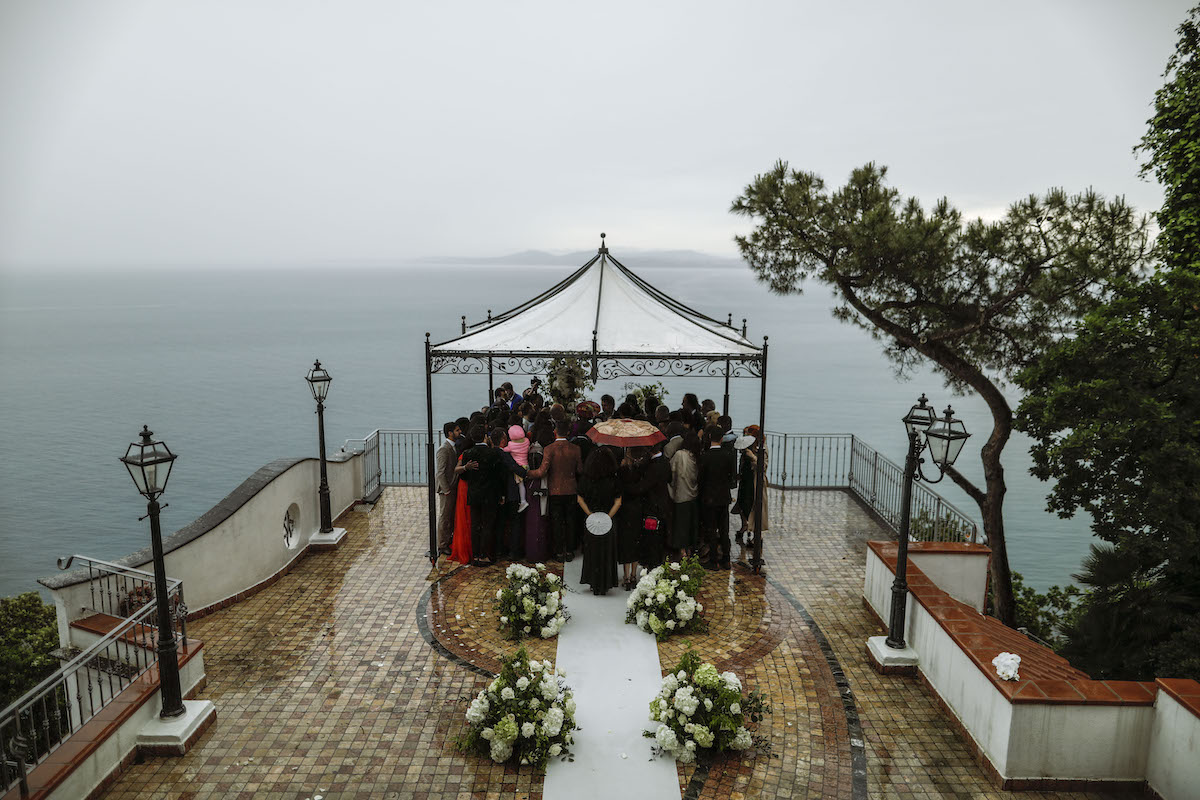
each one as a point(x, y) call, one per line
point(616, 325)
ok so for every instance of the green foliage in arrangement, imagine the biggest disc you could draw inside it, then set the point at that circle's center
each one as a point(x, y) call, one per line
point(702, 712)
point(525, 716)
point(1115, 417)
point(664, 600)
point(567, 380)
point(530, 604)
point(976, 300)
point(28, 632)
point(643, 390)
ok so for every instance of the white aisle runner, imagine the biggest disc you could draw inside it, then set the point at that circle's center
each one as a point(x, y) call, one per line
point(614, 671)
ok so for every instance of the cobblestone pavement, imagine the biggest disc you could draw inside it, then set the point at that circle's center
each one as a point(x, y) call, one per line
point(326, 683)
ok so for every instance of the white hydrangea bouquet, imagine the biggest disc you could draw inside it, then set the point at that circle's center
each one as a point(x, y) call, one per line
point(526, 715)
point(664, 600)
point(701, 711)
point(531, 603)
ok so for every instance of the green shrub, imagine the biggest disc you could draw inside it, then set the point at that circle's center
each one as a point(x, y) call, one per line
point(28, 633)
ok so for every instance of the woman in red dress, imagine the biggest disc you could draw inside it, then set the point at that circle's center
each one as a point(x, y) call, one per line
point(460, 549)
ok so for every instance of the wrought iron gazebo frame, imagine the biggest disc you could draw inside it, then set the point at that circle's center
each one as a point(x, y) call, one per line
point(602, 366)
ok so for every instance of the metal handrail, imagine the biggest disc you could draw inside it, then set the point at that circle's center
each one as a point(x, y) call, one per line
point(843, 461)
point(65, 563)
point(84, 656)
point(41, 720)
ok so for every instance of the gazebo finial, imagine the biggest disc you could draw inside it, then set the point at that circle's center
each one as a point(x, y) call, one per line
point(602, 249)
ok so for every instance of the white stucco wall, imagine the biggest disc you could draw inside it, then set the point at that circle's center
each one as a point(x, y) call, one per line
point(877, 586)
point(248, 547)
point(1173, 761)
point(1022, 740)
point(1079, 741)
point(979, 706)
point(88, 775)
point(963, 576)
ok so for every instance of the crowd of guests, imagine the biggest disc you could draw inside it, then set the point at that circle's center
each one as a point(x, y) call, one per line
point(522, 481)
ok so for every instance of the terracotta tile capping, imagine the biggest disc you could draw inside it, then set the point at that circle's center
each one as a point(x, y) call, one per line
point(948, 547)
point(79, 746)
point(1057, 682)
point(1184, 691)
point(144, 635)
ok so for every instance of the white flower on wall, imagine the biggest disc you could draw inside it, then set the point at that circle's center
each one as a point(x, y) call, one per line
point(1006, 665)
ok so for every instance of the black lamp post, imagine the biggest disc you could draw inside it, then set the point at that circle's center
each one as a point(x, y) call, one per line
point(945, 438)
point(318, 381)
point(149, 464)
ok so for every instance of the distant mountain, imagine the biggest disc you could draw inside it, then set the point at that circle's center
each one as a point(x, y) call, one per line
point(630, 257)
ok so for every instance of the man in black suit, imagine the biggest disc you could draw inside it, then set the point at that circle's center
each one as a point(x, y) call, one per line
point(485, 491)
point(608, 407)
point(716, 468)
point(509, 521)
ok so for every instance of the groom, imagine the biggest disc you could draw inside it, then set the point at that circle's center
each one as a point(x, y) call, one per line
point(447, 485)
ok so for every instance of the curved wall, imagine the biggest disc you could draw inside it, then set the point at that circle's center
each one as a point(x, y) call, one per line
point(241, 542)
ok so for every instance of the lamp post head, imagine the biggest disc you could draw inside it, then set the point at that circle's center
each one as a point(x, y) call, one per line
point(946, 439)
point(318, 381)
point(919, 417)
point(149, 464)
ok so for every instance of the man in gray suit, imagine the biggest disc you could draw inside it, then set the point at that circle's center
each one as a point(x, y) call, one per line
point(447, 485)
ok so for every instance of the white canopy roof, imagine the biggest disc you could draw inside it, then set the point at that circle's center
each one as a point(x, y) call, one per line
point(605, 305)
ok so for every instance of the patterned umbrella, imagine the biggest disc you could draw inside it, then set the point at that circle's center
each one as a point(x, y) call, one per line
point(625, 433)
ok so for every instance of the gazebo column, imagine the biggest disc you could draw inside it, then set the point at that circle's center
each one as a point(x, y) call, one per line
point(760, 477)
point(595, 356)
point(431, 479)
point(725, 406)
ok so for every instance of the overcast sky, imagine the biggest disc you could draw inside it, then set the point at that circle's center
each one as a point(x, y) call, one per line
point(166, 133)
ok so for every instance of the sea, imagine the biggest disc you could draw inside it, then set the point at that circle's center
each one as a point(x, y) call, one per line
point(213, 360)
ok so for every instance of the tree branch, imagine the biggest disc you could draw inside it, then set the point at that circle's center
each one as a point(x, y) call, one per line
point(975, 493)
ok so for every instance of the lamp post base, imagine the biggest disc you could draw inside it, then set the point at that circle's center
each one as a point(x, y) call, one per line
point(889, 661)
point(327, 541)
point(176, 735)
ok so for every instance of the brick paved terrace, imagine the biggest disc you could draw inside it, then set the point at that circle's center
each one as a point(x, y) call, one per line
point(349, 676)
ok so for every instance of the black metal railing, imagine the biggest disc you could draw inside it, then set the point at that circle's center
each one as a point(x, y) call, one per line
point(393, 458)
point(795, 461)
point(41, 720)
point(843, 461)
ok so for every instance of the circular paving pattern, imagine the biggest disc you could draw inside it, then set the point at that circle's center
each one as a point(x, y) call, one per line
point(458, 614)
point(754, 629)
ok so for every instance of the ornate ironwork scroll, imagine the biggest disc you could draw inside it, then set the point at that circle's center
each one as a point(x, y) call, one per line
point(610, 366)
point(679, 366)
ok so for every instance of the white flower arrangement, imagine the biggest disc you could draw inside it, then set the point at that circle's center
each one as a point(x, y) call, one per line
point(664, 600)
point(1006, 665)
point(531, 603)
point(700, 711)
point(527, 714)
point(567, 380)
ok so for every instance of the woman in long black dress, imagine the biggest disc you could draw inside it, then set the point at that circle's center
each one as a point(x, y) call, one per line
point(629, 520)
point(745, 490)
point(600, 492)
point(653, 488)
